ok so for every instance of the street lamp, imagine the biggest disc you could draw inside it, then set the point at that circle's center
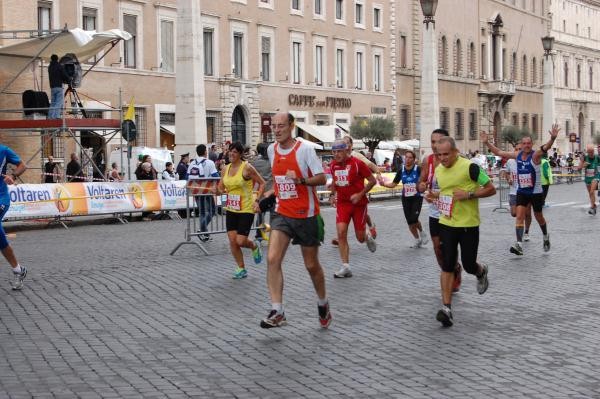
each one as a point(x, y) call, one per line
point(548, 43)
point(430, 107)
point(428, 7)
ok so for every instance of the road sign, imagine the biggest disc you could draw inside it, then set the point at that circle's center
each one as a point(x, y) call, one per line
point(573, 138)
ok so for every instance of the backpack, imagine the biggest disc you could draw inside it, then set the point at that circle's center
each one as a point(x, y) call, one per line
point(196, 170)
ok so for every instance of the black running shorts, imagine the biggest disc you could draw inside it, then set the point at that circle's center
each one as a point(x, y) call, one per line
point(412, 208)
point(468, 239)
point(239, 222)
point(304, 232)
point(536, 201)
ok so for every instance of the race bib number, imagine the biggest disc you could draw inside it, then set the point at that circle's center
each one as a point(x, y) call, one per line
point(234, 202)
point(410, 189)
point(515, 179)
point(445, 203)
point(286, 188)
point(590, 173)
point(525, 180)
point(341, 178)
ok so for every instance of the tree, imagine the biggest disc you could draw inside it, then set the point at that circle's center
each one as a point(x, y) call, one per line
point(596, 138)
point(513, 134)
point(373, 130)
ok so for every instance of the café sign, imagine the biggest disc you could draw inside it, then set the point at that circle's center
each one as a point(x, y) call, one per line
point(312, 101)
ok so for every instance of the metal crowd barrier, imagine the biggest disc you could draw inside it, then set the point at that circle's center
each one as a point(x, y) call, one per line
point(503, 194)
point(199, 192)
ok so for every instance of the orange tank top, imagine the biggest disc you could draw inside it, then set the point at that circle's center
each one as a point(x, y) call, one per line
point(293, 200)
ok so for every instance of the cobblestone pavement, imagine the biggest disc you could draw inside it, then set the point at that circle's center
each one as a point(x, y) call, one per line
point(106, 312)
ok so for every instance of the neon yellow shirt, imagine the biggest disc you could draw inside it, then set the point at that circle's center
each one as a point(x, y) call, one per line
point(239, 191)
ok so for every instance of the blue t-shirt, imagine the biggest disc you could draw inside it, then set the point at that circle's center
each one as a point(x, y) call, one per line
point(6, 156)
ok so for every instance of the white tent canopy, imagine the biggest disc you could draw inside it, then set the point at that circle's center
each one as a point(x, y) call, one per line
point(393, 144)
point(84, 44)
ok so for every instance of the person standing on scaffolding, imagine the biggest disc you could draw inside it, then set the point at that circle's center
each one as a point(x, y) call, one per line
point(56, 75)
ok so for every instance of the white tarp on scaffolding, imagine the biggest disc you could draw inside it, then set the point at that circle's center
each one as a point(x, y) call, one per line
point(84, 44)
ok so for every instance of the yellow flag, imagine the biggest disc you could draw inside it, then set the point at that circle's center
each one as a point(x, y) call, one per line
point(130, 114)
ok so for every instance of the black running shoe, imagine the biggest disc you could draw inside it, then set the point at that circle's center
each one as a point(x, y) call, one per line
point(324, 315)
point(274, 319)
point(444, 316)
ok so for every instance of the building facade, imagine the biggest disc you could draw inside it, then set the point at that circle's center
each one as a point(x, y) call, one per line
point(576, 68)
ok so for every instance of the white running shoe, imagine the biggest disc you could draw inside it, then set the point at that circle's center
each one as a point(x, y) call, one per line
point(526, 237)
point(417, 243)
point(424, 238)
point(343, 272)
point(371, 243)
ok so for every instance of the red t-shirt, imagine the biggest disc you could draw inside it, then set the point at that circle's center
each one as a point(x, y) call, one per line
point(349, 178)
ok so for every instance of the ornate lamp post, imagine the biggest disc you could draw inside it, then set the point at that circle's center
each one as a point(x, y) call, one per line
point(548, 86)
point(430, 108)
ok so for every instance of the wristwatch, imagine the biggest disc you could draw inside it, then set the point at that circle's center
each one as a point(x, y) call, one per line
point(302, 180)
point(471, 194)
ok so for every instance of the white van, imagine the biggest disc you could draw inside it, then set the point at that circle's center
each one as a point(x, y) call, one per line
point(160, 157)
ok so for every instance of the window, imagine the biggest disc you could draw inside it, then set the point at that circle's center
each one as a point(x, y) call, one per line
point(593, 128)
point(265, 58)
point(567, 127)
point(89, 18)
point(458, 67)
point(534, 71)
point(577, 29)
point(564, 25)
point(534, 124)
point(296, 5)
point(591, 78)
point(515, 119)
point(297, 62)
point(359, 18)
point(167, 46)
point(208, 52)
point(339, 68)
point(377, 72)
point(589, 32)
point(445, 118)
point(130, 46)
point(238, 54)
point(359, 71)
point(483, 63)
point(524, 71)
point(579, 76)
point(459, 124)
point(403, 51)
point(339, 10)
point(44, 15)
point(318, 7)
point(404, 120)
point(319, 65)
point(472, 61)
point(140, 123)
point(472, 125)
point(513, 69)
point(525, 121)
point(443, 67)
point(376, 18)
point(566, 74)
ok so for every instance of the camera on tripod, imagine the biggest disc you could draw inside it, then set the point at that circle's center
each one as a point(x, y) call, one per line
point(72, 69)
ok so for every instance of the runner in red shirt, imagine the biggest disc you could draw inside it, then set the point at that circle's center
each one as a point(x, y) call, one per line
point(348, 195)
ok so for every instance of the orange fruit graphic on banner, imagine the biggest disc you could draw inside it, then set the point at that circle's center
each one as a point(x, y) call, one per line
point(151, 196)
point(136, 195)
point(70, 198)
point(62, 198)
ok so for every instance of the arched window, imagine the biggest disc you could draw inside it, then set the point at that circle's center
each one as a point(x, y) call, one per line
point(472, 59)
point(579, 76)
point(566, 71)
point(443, 64)
point(534, 77)
point(524, 71)
point(591, 77)
point(458, 54)
point(513, 70)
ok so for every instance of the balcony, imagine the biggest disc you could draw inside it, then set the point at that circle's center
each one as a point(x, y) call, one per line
point(501, 87)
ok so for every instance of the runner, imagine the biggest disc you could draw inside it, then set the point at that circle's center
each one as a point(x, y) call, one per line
point(7, 155)
point(349, 142)
point(547, 178)
point(296, 172)
point(412, 200)
point(591, 164)
point(511, 175)
point(461, 184)
point(529, 189)
point(348, 195)
point(238, 180)
point(428, 181)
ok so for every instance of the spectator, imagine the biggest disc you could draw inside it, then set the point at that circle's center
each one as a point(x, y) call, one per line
point(212, 154)
point(387, 167)
point(141, 170)
point(51, 171)
point(201, 168)
point(56, 75)
point(168, 174)
point(397, 161)
point(182, 166)
point(113, 174)
point(74, 172)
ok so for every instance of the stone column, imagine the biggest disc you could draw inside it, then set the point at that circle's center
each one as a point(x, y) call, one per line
point(190, 116)
point(430, 107)
point(499, 60)
point(549, 114)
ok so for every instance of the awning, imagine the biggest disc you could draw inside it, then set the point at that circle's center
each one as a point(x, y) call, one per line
point(170, 129)
point(344, 126)
point(310, 143)
point(84, 44)
point(325, 134)
point(393, 144)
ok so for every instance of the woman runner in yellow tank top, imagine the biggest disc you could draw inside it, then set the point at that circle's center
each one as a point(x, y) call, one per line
point(238, 180)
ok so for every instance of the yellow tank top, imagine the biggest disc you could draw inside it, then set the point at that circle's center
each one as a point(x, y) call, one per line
point(463, 213)
point(239, 191)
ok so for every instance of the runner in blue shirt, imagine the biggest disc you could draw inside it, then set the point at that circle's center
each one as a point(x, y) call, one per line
point(8, 156)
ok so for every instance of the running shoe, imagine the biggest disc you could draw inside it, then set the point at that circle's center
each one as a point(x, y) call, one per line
point(335, 242)
point(373, 231)
point(444, 316)
point(457, 278)
point(371, 243)
point(546, 243)
point(482, 281)
point(18, 278)
point(343, 272)
point(592, 211)
point(517, 249)
point(239, 273)
point(257, 253)
point(417, 243)
point(324, 315)
point(274, 319)
point(204, 237)
point(526, 237)
point(424, 238)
